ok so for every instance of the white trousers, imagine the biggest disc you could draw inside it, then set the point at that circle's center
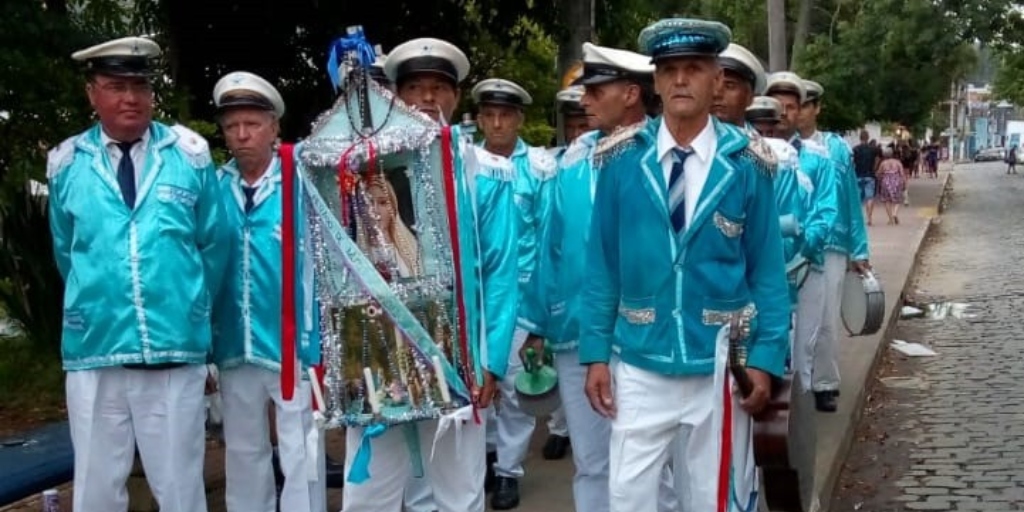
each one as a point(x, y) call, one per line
point(418, 495)
point(590, 435)
point(825, 375)
point(509, 428)
point(245, 391)
point(556, 423)
point(111, 410)
point(810, 313)
point(453, 463)
point(662, 418)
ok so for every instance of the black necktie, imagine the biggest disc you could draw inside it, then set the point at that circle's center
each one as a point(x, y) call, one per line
point(126, 173)
point(249, 193)
point(676, 210)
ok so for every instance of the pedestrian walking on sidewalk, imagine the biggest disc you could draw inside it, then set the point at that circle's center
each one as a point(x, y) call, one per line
point(893, 184)
point(1011, 160)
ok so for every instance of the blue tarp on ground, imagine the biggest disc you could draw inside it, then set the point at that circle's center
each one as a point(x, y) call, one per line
point(35, 461)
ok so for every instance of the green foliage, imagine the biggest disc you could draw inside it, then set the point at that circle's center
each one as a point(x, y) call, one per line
point(33, 383)
point(880, 66)
point(33, 295)
point(1009, 80)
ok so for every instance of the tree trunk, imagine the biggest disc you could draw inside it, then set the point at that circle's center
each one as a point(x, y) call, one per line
point(578, 20)
point(803, 27)
point(777, 35)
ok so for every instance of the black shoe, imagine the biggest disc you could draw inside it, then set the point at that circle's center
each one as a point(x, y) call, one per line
point(335, 474)
point(555, 447)
point(506, 496)
point(492, 458)
point(825, 401)
point(278, 474)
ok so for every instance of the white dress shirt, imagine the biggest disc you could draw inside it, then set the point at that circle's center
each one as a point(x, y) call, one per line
point(138, 154)
point(696, 167)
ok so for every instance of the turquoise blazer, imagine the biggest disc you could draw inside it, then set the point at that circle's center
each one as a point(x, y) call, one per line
point(657, 299)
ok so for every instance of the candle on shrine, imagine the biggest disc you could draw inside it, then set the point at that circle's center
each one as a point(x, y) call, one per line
point(442, 383)
point(371, 391)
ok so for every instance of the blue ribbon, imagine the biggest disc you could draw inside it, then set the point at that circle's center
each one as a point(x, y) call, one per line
point(412, 440)
point(360, 471)
point(366, 273)
point(340, 48)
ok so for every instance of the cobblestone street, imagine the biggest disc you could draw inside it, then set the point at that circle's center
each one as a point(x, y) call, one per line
point(946, 432)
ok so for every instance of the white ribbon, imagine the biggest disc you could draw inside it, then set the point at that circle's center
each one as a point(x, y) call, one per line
point(456, 419)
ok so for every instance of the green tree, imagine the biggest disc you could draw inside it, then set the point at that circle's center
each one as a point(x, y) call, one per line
point(1009, 80)
point(886, 67)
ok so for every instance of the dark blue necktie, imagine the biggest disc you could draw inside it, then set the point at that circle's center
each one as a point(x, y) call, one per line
point(797, 144)
point(676, 194)
point(126, 173)
point(249, 193)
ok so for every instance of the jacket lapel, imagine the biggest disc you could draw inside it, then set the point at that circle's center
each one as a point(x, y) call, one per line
point(92, 144)
point(159, 139)
point(720, 178)
point(653, 176)
point(654, 182)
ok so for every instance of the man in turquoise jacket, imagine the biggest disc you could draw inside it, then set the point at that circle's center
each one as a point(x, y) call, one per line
point(426, 73)
point(500, 116)
point(789, 90)
point(619, 90)
point(247, 315)
point(743, 79)
point(848, 246)
point(138, 236)
point(684, 247)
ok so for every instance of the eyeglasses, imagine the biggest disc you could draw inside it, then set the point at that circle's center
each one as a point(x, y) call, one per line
point(123, 88)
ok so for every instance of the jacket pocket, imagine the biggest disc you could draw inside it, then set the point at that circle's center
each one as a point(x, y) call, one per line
point(637, 318)
point(730, 225)
point(176, 209)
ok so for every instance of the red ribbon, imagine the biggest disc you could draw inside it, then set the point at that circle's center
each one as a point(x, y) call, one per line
point(288, 318)
point(725, 464)
point(448, 174)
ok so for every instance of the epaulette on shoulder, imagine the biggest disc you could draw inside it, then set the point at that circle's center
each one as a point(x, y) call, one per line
point(578, 149)
point(59, 158)
point(194, 147)
point(616, 143)
point(542, 164)
point(488, 164)
point(784, 152)
point(760, 155)
point(815, 147)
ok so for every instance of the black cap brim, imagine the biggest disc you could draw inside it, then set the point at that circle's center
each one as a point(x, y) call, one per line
point(737, 67)
point(254, 102)
point(499, 98)
point(687, 53)
point(762, 116)
point(120, 66)
point(433, 65)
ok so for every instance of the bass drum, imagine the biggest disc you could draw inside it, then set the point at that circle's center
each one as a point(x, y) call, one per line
point(863, 306)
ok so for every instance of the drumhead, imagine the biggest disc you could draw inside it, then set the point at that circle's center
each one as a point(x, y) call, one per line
point(854, 308)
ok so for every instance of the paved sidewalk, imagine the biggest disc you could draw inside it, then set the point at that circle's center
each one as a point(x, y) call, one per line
point(893, 255)
point(547, 486)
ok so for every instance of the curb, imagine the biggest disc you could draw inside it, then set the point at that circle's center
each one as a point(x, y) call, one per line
point(831, 479)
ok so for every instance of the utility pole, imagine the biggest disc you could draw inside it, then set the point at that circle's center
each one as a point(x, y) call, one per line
point(777, 36)
point(952, 119)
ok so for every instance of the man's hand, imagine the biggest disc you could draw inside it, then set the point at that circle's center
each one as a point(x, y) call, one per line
point(599, 389)
point(483, 396)
point(861, 267)
point(536, 343)
point(759, 396)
